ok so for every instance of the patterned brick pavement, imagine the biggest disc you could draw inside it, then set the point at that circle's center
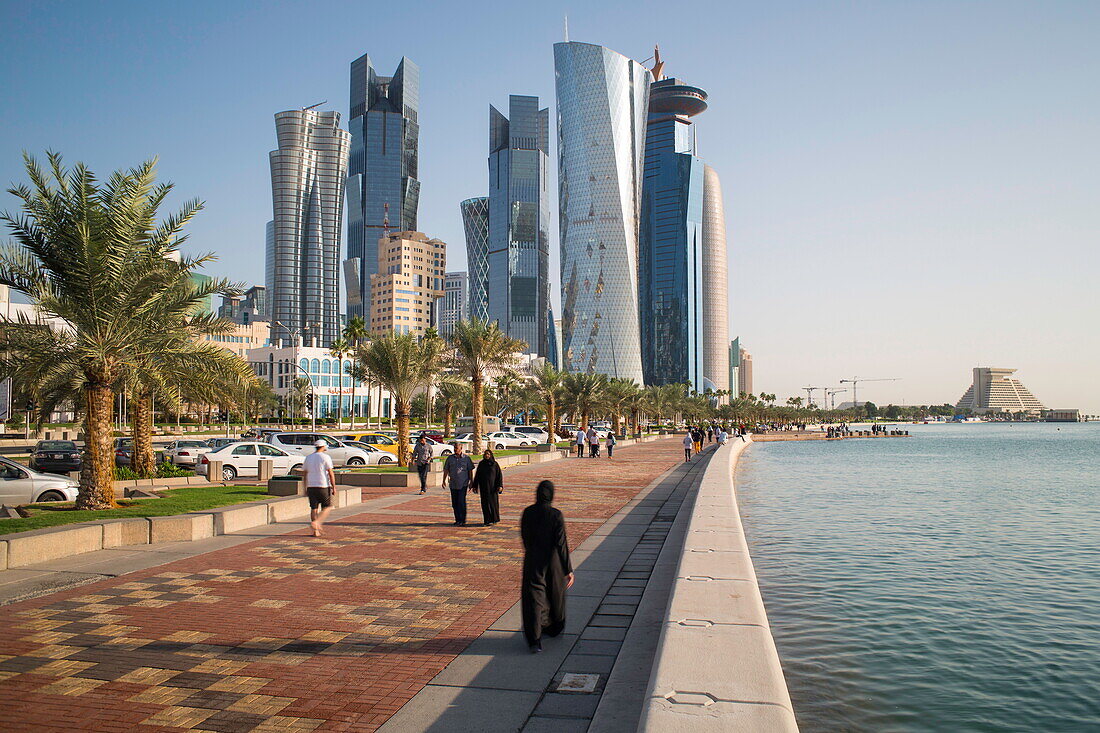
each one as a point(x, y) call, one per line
point(292, 633)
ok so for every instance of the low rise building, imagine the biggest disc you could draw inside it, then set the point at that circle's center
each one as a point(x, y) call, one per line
point(245, 337)
point(329, 381)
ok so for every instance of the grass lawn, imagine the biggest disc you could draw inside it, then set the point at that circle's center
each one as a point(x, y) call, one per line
point(175, 501)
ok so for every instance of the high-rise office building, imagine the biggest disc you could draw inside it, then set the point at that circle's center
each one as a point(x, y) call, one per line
point(269, 265)
point(475, 222)
point(456, 303)
point(682, 273)
point(733, 357)
point(383, 189)
point(407, 290)
point(602, 101)
point(308, 172)
point(744, 372)
point(518, 285)
point(994, 390)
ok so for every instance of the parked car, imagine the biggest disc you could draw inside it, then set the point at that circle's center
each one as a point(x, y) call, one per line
point(439, 448)
point(243, 459)
point(185, 452)
point(531, 431)
point(432, 434)
point(501, 441)
point(376, 456)
point(216, 443)
point(124, 447)
point(377, 440)
point(302, 444)
point(55, 456)
point(22, 485)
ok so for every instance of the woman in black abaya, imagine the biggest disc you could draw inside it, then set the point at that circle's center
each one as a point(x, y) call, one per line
point(489, 483)
point(547, 572)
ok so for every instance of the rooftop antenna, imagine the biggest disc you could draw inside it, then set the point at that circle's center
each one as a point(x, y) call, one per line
point(312, 106)
point(567, 27)
point(658, 65)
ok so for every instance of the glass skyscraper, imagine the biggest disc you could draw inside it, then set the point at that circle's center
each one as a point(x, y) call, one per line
point(518, 286)
point(475, 221)
point(383, 190)
point(682, 241)
point(308, 172)
point(602, 101)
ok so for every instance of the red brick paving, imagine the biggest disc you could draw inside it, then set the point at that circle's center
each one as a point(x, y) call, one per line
point(291, 633)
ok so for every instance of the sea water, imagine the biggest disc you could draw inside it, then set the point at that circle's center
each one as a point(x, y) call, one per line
point(949, 581)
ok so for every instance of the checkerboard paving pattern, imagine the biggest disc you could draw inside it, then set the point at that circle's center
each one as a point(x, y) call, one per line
point(290, 633)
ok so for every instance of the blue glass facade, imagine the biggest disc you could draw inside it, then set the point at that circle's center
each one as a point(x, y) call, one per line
point(602, 102)
point(518, 284)
point(383, 189)
point(475, 222)
point(671, 263)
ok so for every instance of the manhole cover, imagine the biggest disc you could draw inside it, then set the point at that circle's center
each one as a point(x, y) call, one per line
point(573, 682)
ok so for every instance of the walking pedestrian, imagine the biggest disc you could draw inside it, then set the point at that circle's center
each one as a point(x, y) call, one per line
point(697, 436)
point(422, 459)
point(580, 440)
point(723, 436)
point(456, 472)
point(689, 443)
point(596, 446)
point(488, 483)
point(320, 482)
point(593, 442)
point(547, 571)
point(611, 441)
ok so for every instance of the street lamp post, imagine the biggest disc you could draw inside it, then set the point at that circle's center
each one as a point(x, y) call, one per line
point(313, 409)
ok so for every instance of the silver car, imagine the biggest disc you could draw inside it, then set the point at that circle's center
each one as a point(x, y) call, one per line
point(302, 444)
point(21, 485)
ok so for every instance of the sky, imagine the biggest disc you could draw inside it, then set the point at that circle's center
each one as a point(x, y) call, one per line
point(911, 189)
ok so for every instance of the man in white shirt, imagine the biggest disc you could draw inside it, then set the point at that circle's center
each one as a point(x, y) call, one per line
point(320, 483)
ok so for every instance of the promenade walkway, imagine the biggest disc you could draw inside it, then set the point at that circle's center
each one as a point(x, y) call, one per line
point(286, 632)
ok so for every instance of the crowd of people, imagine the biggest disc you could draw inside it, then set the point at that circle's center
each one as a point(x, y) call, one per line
point(591, 441)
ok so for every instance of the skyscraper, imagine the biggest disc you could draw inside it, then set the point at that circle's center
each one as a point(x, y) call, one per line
point(475, 221)
point(602, 100)
point(744, 371)
point(456, 302)
point(682, 275)
point(518, 286)
point(382, 172)
point(308, 172)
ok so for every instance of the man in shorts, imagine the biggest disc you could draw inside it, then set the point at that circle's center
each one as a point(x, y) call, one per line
point(320, 483)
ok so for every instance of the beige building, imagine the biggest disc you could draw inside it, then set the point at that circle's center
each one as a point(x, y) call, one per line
point(994, 390)
point(244, 337)
point(744, 372)
point(407, 291)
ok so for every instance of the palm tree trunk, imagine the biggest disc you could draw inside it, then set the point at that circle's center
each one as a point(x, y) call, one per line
point(403, 410)
point(448, 418)
point(634, 420)
point(551, 410)
point(141, 431)
point(477, 407)
point(615, 422)
point(98, 472)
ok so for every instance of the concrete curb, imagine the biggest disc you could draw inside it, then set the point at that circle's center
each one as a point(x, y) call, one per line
point(716, 667)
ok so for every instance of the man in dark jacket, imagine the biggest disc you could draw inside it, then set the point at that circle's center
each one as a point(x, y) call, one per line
point(547, 571)
point(456, 472)
point(422, 459)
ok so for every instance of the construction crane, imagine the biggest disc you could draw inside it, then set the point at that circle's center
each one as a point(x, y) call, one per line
point(854, 381)
point(830, 397)
point(810, 395)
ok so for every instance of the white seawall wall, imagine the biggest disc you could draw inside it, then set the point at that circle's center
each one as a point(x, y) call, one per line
point(716, 667)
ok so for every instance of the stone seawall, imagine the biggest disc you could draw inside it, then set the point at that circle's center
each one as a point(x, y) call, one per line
point(716, 667)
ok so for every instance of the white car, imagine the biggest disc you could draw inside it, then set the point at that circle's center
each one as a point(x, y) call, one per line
point(302, 444)
point(501, 441)
point(375, 456)
point(243, 459)
point(439, 450)
point(186, 452)
point(21, 485)
point(538, 434)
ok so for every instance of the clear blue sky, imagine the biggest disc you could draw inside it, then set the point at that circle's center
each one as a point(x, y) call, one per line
point(912, 188)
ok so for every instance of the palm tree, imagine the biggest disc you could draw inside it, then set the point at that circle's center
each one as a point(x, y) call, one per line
point(480, 350)
point(584, 392)
point(403, 364)
point(339, 349)
point(300, 389)
point(505, 386)
point(451, 393)
point(617, 392)
point(548, 384)
point(94, 256)
point(354, 334)
point(635, 403)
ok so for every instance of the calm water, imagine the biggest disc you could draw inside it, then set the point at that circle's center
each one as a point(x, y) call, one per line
point(945, 582)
